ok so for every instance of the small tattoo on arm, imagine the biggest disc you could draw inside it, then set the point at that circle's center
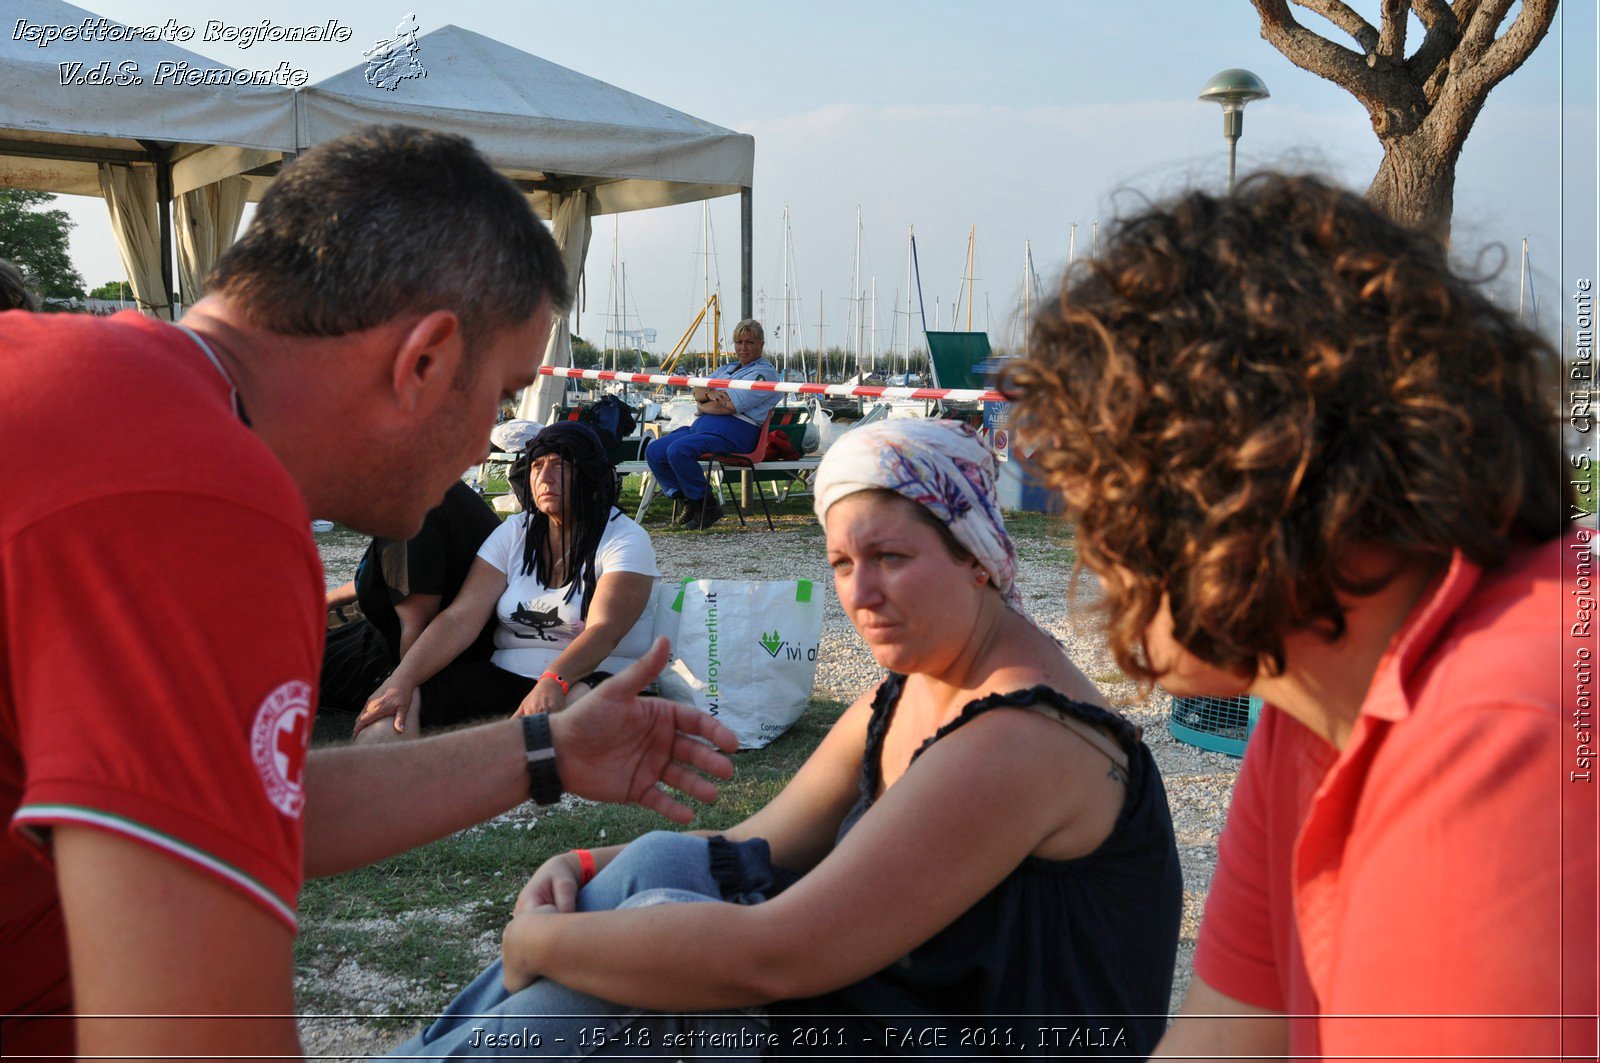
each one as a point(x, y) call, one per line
point(1116, 774)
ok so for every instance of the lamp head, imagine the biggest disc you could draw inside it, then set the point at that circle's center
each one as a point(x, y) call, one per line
point(1233, 88)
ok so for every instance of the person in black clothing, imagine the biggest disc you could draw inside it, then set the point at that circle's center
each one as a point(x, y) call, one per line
point(400, 587)
point(978, 859)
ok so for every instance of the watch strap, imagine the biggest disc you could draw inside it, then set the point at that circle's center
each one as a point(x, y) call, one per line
point(544, 781)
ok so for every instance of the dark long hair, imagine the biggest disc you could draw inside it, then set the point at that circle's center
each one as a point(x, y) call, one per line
point(587, 503)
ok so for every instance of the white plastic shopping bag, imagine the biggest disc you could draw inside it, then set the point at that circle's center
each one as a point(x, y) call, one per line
point(744, 651)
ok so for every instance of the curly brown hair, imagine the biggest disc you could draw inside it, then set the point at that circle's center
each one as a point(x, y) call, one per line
point(1242, 388)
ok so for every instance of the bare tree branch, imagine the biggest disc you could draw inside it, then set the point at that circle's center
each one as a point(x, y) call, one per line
point(1518, 42)
point(1472, 77)
point(1430, 65)
point(1341, 15)
point(1465, 11)
point(1433, 13)
point(1481, 27)
point(1443, 34)
point(1312, 52)
point(1392, 35)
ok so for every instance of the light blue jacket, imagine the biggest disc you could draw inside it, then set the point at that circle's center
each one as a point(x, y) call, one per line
point(750, 406)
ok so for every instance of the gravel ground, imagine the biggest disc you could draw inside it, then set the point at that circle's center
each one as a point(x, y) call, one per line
point(1199, 783)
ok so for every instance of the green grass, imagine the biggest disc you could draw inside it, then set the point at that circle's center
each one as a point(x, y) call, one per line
point(438, 902)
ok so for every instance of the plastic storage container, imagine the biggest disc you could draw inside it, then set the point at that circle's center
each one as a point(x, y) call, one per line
point(1219, 724)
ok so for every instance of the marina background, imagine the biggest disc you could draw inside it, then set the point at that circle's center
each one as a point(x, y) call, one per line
point(1019, 120)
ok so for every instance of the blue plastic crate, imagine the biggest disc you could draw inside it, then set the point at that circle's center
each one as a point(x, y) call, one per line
point(1222, 725)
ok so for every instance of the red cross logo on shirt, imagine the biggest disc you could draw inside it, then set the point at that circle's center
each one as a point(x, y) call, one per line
point(278, 745)
point(292, 745)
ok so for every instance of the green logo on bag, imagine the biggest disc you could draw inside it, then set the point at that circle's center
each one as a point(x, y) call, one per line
point(771, 642)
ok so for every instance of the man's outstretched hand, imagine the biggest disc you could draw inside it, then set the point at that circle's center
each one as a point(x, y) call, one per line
point(617, 746)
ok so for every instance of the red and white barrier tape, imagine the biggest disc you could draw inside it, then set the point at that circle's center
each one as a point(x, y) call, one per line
point(864, 391)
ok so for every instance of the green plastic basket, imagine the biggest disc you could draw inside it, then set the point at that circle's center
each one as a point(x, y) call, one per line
point(1222, 725)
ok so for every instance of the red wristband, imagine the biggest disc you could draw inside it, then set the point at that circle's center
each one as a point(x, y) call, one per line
point(585, 865)
point(548, 674)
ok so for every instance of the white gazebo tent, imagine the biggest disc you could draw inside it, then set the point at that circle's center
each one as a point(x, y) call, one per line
point(576, 146)
point(138, 146)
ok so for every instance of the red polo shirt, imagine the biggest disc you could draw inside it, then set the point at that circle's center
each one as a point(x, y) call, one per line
point(1431, 888)
point(160, 633)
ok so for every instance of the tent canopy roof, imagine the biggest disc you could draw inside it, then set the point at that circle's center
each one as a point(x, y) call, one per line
point(551, 129)
point(52, 136)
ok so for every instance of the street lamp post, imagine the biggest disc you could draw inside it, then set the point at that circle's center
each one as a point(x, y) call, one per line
point(1233, 88)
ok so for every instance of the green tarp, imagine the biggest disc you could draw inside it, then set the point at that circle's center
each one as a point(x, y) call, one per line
point(954, 354)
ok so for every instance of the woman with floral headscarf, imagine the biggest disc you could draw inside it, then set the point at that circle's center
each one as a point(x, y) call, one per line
point(977, 837)
point(568, 579)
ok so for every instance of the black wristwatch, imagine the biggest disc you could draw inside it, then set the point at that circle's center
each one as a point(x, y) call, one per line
point(544, 781)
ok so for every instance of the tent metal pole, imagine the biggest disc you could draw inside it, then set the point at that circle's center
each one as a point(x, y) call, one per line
point(747, 254)
point(164, 209)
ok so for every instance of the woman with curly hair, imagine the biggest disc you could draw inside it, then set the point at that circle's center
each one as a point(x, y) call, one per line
point(1312, 464)
point(568, 579)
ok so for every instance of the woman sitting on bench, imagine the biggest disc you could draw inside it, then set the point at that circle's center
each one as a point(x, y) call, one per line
point(978, 836)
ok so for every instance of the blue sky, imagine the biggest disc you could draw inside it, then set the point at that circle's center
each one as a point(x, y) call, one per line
point(1018, 117)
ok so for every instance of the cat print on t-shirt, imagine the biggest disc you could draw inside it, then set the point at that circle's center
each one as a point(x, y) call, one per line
point(541, 620)
point(537, 623)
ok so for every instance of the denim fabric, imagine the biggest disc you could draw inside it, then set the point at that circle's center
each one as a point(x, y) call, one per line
point(548, 1020)
point(674, 459)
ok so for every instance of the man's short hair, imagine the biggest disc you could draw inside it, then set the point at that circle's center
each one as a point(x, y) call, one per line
point(14, 291)
point(750, 326)
point(1241, 388)
point(390, 220)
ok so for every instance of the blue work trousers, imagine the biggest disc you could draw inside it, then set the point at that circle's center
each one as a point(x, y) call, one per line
point(674, 459)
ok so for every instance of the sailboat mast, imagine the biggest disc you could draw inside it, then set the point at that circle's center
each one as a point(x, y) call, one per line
point(714, 330)
point(1027, 289)
point(1522, 279)
point(894, 329)
point(855, 297)
point(917, 266)
point(910, 250)
point(608, 342)
point(785, 254)
point(822, 352)
point(873, 333)
point(972, 238)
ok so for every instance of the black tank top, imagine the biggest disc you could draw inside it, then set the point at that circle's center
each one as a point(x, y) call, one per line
point(1065, 957)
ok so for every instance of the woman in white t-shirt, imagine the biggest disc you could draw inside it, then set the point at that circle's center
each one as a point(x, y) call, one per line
point(569, 580)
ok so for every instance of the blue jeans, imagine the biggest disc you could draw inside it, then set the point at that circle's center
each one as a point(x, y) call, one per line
point(674, 459)
point(549, 1020)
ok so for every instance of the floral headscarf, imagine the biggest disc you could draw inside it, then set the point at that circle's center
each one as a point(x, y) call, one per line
point(942, 466)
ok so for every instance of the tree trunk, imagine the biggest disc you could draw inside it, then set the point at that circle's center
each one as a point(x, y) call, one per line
point(1422, 106)
point(1415, 183)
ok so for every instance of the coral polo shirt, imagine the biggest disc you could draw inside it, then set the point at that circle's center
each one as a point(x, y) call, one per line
point(1431, 888)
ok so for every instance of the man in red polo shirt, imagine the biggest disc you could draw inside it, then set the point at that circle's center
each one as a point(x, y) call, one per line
point(1313, 465)
point(161, 612)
